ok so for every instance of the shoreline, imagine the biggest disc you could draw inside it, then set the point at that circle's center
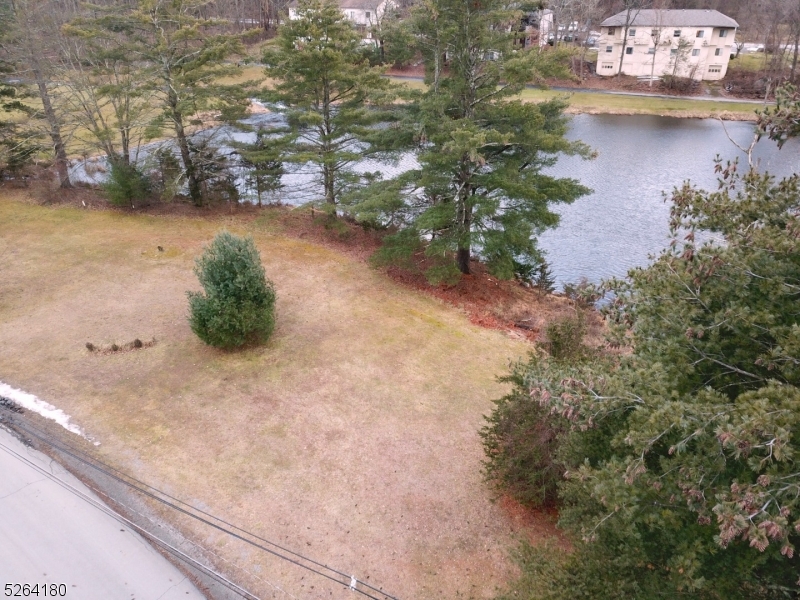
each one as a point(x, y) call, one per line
point(677, 114)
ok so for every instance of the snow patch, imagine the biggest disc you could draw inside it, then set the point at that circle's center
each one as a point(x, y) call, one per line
point(48, 411)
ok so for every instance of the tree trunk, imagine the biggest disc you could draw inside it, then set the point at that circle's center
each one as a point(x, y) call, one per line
point(328, 170)
point(653, 66)
point(195, 193)
point(125, 136)
point(462, 259)
point(62, 163)
point(794, 54)
point(624, 41)
point(328, 183)
point(464, 220)
point(583, 58)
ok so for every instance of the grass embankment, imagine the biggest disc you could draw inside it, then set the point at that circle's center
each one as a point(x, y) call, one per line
point(621, 104)
point(351, 436)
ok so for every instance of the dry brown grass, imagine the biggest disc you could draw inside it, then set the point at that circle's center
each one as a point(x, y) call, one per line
point(351, 436)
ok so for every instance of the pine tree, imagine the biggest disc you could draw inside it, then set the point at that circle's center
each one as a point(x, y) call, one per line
point(682, 478)
point(328, 92)
point(263, 164)
point(237, 304)
point(18, 144)
point(481, 152)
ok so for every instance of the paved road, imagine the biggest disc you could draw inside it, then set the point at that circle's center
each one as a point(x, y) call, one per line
point(48, 534)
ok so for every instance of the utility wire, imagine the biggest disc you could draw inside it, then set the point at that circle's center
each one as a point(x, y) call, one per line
point(106, 510)
point(155, 523)
point(348, 581)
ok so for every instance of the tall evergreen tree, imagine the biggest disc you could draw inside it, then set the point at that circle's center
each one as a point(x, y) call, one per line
point(479, 183)
point(263, 164)
point(328, 92)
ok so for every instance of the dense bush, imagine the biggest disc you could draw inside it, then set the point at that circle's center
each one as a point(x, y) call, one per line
point(565, 337)
point(237, 306)
point(520, 440)
point(126, 184)
point(678, 84)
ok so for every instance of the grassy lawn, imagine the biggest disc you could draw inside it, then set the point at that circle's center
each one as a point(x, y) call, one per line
point(351, 437)
point(592, 102)
point(755, 61)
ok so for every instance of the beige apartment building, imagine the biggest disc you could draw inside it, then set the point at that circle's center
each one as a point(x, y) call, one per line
point(684, 43)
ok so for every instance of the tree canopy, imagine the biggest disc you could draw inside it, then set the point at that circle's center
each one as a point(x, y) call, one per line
point(181, 60)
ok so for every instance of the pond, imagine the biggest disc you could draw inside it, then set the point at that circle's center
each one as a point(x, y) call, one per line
point(640, 158)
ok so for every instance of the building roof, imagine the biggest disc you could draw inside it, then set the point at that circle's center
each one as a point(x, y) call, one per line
point(672, 18)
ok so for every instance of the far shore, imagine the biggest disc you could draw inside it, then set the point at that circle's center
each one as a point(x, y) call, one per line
point(678, 114)
point(599, 102)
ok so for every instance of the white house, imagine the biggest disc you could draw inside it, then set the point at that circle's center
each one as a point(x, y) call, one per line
point(545, 26)
point(685, 43)
point(364, 14)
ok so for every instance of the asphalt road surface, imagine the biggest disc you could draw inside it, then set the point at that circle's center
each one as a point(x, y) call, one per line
point(49, 534)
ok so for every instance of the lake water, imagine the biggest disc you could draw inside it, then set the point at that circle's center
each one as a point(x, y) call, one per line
point(640, 158)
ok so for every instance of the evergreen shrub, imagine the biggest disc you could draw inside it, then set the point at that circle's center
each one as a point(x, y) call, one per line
point(565, 338)
point(237, 305)
point(126, 185)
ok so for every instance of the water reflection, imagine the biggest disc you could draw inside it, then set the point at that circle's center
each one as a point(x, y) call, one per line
point(640, 159)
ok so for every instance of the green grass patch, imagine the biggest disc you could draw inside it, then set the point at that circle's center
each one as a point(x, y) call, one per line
point(595, 102)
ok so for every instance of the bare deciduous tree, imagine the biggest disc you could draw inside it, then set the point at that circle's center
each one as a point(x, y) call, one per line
point(32, 46)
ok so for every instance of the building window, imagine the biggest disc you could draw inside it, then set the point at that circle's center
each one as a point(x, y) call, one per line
point(628, 50)
point(367, 15)
point(718, 52)
point(651, 50)
point(612, 30)
point(696, 52)
point(715, 69)
point(676, 33)
point(655, 32)
point(723, 33)
point(608, 66)
point(673, 52)
point(609, 48)
point(701, 33)
point(632, 32)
